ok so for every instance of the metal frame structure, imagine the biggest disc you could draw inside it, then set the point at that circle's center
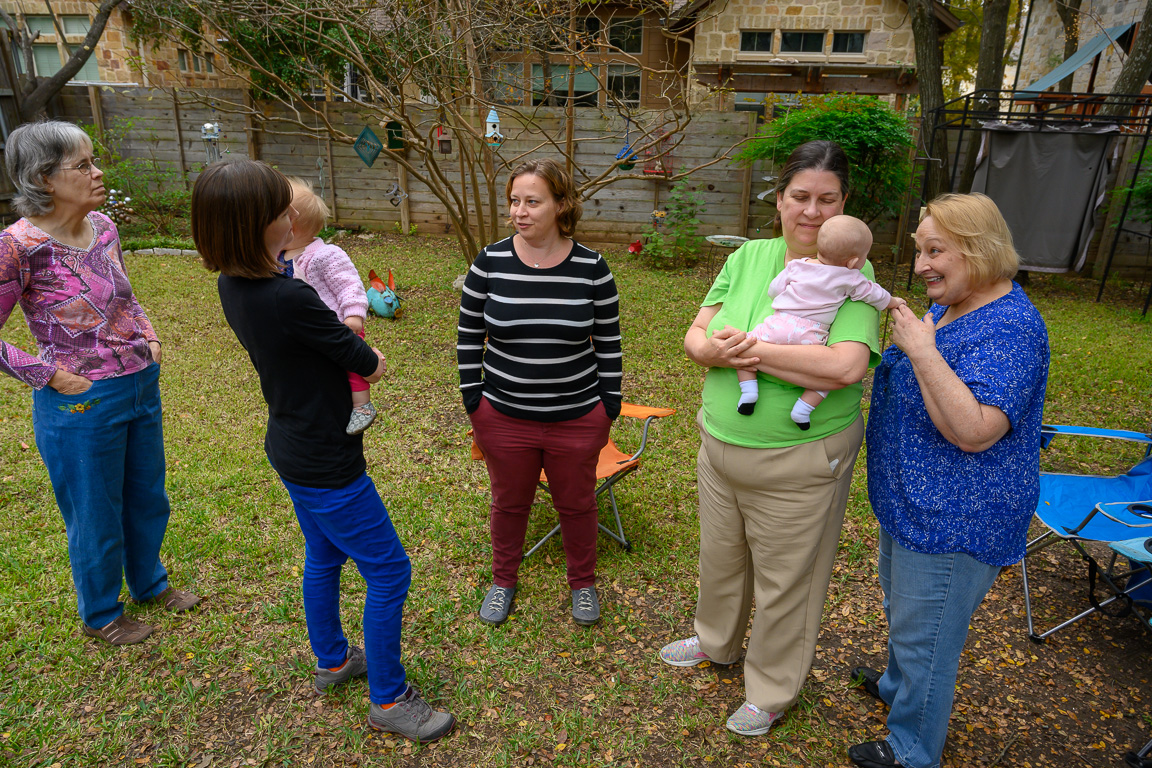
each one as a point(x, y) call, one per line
point(1062, 112)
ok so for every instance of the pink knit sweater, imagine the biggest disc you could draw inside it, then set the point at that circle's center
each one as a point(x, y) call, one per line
point(329, 270)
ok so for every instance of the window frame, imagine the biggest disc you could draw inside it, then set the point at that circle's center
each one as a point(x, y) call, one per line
point(510, 91)
point(624, 71)
point(841, 34)
point(758, 33)
point(625, 22)
point(590, 98)
point(808, 34)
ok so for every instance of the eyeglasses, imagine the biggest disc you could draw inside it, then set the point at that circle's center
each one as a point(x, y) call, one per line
point(84, 167)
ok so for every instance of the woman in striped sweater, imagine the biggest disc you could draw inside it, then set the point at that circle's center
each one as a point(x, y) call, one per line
point(540, 372)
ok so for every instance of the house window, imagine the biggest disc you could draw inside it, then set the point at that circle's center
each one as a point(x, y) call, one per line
point(801, 42)
point(588, 31)
point(847, 42)
point(355, 85)
point(627, 34)
point(89, 72)
point(75, 25)
point(624, 83)
point(745, 101)
point(756, 42)
point(46, 57)
point(505, 82)
point(585, 89)
point(315, 90)
point(41, 24)
point(190, 62)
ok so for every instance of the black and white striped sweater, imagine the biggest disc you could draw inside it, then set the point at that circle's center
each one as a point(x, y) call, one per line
point(540, 344)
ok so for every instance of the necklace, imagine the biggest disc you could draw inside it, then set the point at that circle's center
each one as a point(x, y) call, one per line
point(547, 255)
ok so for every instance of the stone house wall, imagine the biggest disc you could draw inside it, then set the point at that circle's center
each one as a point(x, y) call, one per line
point(888, 40)
point(1044, 45)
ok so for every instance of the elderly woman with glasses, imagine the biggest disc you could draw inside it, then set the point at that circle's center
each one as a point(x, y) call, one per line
point(96, 399)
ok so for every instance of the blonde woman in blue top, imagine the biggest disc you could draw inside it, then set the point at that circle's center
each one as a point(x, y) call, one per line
point(953, 464)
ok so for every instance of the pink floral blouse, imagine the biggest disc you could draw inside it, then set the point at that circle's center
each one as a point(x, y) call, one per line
point(78, 303)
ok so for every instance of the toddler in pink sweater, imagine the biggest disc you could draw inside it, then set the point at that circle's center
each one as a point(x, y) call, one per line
point(806, 296)
point(328, 269)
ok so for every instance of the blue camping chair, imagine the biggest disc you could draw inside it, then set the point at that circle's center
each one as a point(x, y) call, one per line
point(1078, 509)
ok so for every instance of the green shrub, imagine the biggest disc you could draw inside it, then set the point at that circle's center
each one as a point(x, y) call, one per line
point(674, 242)
point(875, 137)
point(158, 198)
point(1140, 209)
point(159, 241)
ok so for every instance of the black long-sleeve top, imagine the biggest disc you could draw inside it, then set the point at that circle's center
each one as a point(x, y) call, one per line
point(540, 344)
point(302, 353)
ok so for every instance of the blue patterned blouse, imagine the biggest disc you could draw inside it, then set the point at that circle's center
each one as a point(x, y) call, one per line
point(930, 496)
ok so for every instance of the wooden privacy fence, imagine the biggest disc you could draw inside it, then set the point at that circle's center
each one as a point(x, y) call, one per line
point(165, 126)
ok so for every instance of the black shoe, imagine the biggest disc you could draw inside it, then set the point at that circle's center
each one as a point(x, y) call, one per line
point(868, 679)
point(746, 409)
point(873, 754)
point(804, 425)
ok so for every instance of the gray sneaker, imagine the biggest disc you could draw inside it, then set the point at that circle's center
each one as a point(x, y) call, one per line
point(411, 717)
point(497, 605)
point(355, 665)
point(585, 606)
point(361, 418)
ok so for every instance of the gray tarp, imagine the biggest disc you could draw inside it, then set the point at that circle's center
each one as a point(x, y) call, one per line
point(1048, 186)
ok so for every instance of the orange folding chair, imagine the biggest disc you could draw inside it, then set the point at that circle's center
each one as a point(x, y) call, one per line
point(613, 466)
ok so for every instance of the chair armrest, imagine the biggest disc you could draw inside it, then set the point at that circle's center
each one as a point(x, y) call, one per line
point(634, 411)
point(1048, 431)
point(649, 415)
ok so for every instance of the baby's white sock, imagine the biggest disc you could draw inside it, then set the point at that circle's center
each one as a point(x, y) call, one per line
point(749, 394)
point(800, 413)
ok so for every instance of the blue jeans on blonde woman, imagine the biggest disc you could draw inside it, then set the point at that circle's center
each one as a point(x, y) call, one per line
point(352, 522)
point(104, 450)
point(929, 601)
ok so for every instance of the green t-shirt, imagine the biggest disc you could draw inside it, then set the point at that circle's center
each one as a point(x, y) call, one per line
point(742, 290)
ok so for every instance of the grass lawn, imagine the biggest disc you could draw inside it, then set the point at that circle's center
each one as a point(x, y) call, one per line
point(229, 685)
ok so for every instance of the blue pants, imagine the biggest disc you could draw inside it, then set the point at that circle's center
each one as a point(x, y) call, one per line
point(929, 601)
point(104, 451)
point(352, 522)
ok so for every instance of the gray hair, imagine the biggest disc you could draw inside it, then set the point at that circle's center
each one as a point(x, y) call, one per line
point(35, 151)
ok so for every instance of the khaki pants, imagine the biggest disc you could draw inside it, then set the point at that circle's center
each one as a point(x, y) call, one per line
point(769, 526)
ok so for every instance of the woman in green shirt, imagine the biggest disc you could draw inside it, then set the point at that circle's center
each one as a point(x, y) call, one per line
point(772, 498)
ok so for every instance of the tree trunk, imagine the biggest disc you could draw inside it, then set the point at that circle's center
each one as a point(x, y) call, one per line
point(989, 77)
point(926, 32)
point(1137, 68)
point(1069, 11)
point(39, 91)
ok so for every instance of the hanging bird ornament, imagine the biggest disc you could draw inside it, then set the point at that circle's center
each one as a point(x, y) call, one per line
point(382, 299)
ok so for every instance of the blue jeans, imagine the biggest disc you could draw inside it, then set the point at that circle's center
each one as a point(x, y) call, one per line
point(104, 450)
point(352, 522)
point(929, 601)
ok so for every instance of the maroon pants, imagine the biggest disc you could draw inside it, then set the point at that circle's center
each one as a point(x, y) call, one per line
point(516, 450)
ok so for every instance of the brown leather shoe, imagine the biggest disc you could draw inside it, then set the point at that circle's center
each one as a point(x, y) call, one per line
point(120, 631)
point(177, 600)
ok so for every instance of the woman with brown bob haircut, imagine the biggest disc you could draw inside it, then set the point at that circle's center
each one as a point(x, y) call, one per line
point(241, 219)
point(540, 369)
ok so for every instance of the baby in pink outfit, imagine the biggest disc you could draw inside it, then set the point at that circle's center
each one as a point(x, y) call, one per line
point(328, 269)
point(806, 296)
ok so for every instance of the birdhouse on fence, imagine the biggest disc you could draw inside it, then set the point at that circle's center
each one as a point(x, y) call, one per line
point(210, 135)
point(492, 129)
point(395, 134)
point(443, 140)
